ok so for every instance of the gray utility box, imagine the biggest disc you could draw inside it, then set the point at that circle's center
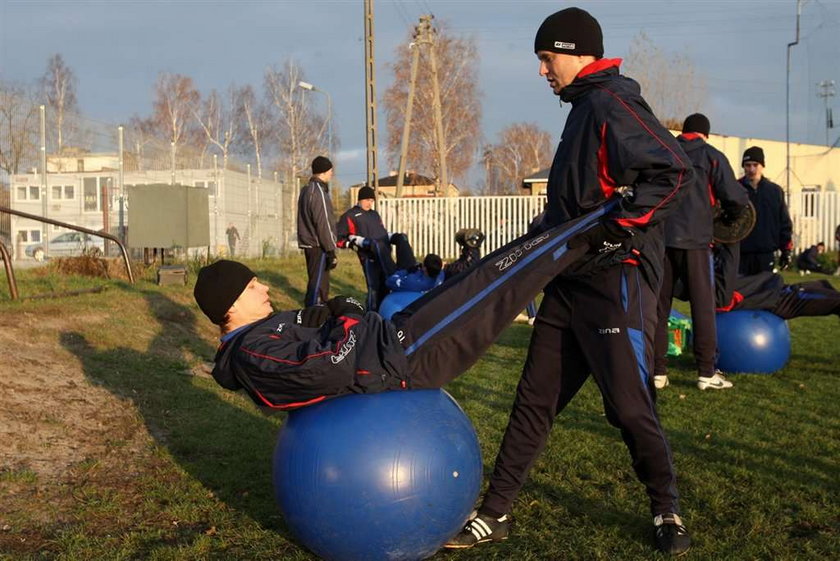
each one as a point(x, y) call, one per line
point(172, 274)
point(168, 216)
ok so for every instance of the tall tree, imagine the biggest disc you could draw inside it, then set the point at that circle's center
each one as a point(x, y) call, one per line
point(174, 105)
point(457, 65)
point(253, 118)
point(18, 128)
point(58, 85)
point(523, 149)
point(138, 134)
point(217, 117)
point(299, 129)
point(670, 83)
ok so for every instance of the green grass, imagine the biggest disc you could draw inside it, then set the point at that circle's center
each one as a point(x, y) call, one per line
point(757, 465)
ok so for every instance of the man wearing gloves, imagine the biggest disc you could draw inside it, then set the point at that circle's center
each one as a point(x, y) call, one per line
point(315, 231)
point(599, 315)
point(773, 227)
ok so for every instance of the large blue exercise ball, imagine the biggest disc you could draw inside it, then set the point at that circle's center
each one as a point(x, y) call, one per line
point(752, 341)
point(396, 302)
point(377, 476)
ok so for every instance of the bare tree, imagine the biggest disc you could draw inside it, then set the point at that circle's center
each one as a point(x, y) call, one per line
point(299, 130)
point(671, 84)
point(139, 133)
point(58, 85)
point(175, 100)
point(255, 123)
point(18, 128)
point(523, 149)
point(217, 118)
point(460, 106)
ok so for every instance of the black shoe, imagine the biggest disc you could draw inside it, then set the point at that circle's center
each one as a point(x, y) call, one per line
point(481, 529)
point(671, 536)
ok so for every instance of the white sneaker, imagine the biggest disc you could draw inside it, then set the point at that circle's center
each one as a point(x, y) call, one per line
point(660, 381)
point(716, 382)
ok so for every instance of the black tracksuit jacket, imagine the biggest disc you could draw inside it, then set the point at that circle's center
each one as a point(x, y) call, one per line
point(365, 223)
point(773, 227)
point(689, 226)
point(284, 365)
point(609, 113)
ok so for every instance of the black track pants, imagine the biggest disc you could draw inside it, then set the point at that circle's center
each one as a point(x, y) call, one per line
point(694, 269)
point(318, 285)
point(603, 325)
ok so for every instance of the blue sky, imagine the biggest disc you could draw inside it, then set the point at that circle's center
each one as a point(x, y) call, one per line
point(117, 48)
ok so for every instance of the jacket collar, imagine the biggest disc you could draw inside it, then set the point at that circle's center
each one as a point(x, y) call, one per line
point(591, 74)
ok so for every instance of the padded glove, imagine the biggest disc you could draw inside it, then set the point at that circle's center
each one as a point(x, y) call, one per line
point(343, 305)
point(332, 260)
point(356, 242)
point(605, 237)
point(784, 259)
point(313, 316)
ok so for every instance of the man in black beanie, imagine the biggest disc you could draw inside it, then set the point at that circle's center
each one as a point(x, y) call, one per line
point(316, 236)
point(599, 315)
point(773, 227)
point(688, 257)
point(361, 229)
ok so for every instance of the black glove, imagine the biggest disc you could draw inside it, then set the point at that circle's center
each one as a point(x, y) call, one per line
point(332, 260)
point(343, 305)
point(605, 237)
point(784, 259)
point(313, 316)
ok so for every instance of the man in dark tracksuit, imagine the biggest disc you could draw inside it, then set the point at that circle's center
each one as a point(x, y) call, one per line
point(688, 255)
point(809, 261)
point(361, 229)
point(599, 315)
point(291, 359)
point(768, 291)
point(315, 231)
point(773, 227)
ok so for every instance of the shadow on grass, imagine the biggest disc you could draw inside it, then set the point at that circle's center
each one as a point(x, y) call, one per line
point(216, 438)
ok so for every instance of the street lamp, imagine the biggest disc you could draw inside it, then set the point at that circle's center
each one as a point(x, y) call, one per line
point(312, 88)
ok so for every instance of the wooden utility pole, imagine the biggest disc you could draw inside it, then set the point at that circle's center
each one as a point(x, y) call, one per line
point(370, 99)
point(424, 36)
point(415, 59)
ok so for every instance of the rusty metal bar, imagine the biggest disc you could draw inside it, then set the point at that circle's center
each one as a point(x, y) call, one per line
point(10, 272)
point(78, 229)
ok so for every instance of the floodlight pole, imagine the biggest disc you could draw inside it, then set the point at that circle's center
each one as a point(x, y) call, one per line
point(312, 88)
point(787, 104)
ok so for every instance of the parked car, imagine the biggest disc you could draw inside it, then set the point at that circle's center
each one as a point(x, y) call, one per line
point(68, 244)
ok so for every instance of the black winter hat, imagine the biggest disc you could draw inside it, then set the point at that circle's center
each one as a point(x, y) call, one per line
point(753, 154)
point(366, 192)
point(218, 286)
point(697, 123)
point(571, 31)
point(321, 164)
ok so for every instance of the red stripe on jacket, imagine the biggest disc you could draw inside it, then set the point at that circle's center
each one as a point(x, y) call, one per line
point(607, 182)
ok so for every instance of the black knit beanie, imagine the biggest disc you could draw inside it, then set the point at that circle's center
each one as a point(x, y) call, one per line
point(218, 286)
point(753, 154)
point(571, 31)
point(321, 164)
point(366, 192)
point(697, 123)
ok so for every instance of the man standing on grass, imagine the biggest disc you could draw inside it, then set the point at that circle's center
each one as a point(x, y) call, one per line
point(316, 236)
point(599, 315)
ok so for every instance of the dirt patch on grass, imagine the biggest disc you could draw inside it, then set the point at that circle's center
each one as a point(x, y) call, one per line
point(58, 432)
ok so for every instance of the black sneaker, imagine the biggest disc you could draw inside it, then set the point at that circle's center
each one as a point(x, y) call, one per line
point(671, 536)
point(480, 529)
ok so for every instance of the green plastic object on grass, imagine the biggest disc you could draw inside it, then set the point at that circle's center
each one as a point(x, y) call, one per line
point(679, 332)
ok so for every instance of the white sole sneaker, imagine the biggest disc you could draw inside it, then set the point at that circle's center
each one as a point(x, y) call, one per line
point(716, 382)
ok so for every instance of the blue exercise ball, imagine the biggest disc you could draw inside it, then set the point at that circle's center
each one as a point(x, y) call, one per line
point(377, 476)
point(396, 302)
point(752, 341)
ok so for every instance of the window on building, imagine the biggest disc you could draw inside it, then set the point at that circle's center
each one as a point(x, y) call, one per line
point(90, 193)
point(80, 165)
point(20, 192)
point(56, 192)
point(69, 192)
point(29, 236)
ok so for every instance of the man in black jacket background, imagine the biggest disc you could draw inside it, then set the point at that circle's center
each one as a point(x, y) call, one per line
point(688, 257)
point(316, 236)
point(773, 226)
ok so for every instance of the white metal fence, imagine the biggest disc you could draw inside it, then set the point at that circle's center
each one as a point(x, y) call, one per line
point(431, 223)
